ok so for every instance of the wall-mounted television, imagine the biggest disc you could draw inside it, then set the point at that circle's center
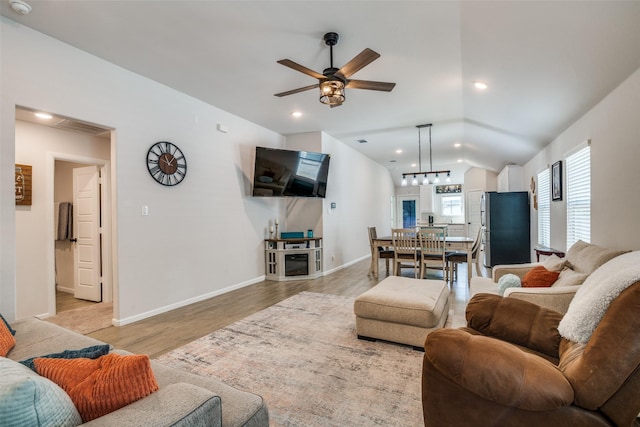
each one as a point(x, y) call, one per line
point(290, 173)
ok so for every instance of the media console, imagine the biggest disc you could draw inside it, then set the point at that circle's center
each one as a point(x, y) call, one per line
point(293, 259)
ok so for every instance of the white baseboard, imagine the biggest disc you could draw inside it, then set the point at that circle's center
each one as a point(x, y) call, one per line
point(155, 312)
point(343, 266)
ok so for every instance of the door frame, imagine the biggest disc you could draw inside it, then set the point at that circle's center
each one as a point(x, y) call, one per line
point(108, 246)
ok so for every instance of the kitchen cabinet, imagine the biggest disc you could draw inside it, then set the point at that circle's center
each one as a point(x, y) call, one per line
point(426, 198)
point(456, 230)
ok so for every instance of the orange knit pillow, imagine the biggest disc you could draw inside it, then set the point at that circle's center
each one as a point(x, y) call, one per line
point(7, 341)
point(539, 277)
point(103, 385)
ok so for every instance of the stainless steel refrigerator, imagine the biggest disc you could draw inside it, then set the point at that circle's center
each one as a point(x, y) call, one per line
point(505, 218)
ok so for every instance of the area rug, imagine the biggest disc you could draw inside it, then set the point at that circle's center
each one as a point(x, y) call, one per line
point(85, 320)
point(303, 357)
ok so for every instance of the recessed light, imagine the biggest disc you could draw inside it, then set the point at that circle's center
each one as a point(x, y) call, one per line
point(480, 85)
point(457, 145)
point(413, 165)
point(45, 116)
point(20, 7)
point(296, 114)
point(399, 151)
point(459, 160)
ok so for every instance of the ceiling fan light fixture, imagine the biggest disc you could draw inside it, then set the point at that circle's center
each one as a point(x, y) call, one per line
point(332, 92)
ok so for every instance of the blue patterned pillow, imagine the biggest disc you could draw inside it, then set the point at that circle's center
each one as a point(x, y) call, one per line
point(13, 331)
point(92, 352)
point(508, 281)
point(31, 400)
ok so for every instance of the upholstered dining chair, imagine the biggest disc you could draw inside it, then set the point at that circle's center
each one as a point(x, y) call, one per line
point(517, 364)
point(405, 249)
point(433, 250)
point(459, 257)
point(383, 253)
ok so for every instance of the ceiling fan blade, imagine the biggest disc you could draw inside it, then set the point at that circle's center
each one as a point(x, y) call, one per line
point(363, 59)
point(367, 84)
point(294, 65)
point(300, 89)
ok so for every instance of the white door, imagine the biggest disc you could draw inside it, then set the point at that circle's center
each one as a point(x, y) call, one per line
point(86, 231)
point(474, 205)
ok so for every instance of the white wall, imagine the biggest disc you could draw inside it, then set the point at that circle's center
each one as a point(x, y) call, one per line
point(614, 130)
point(360, 188)
point(202, 237)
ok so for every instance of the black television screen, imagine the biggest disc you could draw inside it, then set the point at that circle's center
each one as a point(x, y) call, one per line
point(290, 173)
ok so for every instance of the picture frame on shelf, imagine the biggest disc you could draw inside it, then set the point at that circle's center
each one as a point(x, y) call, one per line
point(556, 181)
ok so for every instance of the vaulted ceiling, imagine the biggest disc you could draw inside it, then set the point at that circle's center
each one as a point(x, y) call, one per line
point(546, 64)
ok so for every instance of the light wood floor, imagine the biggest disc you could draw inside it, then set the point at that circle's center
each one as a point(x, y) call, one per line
point(162, 333)
point(65, 301)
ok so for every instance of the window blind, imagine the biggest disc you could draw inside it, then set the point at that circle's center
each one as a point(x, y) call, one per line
point(579, 196)
point(544, 208)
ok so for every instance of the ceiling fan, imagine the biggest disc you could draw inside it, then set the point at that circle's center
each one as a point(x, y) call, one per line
point(333, 81)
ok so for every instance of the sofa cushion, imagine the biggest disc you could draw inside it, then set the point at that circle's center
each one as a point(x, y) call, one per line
point(554, 263)
point(585, 258)
point(7, 340)
point(31, 400)
point(92, 352)
point(103, 385)
point(568, 277)
point(37, 337)
point(539, 277)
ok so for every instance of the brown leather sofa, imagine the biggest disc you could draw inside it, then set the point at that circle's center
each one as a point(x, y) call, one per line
point(511, 367)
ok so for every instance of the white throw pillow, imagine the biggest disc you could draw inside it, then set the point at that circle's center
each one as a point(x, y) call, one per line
point(593, 298)
point(554, 263)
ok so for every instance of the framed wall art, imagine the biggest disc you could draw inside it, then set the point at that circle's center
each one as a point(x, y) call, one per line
point(556, 181)
point(23, 185)
point(450, 188)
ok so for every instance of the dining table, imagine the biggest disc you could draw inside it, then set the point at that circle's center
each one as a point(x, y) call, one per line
point(452, 243)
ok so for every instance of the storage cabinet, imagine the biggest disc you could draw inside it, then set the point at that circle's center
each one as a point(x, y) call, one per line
point(293, 259)
point(456, 230)
point(426, 198)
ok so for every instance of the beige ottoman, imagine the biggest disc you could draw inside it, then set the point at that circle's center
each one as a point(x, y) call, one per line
point(402, 310)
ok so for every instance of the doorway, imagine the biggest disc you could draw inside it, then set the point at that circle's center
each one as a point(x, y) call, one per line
point(407, 211)
point(75, 143)
point(78, 240)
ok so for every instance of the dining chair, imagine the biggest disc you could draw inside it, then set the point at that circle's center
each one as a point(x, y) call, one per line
point(383, 252)
point(405, 249)
point(433, 250)
point(459, 257)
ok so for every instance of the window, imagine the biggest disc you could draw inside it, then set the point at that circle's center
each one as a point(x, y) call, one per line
point(451, 205)
point(544, 208)
point(579, 196)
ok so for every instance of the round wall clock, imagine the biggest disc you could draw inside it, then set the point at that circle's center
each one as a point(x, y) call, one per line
point(166, 163)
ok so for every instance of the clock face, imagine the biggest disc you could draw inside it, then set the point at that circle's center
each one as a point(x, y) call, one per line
point(166, 163)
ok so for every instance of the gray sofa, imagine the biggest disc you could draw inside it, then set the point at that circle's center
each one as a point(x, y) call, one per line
point(183, 399)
